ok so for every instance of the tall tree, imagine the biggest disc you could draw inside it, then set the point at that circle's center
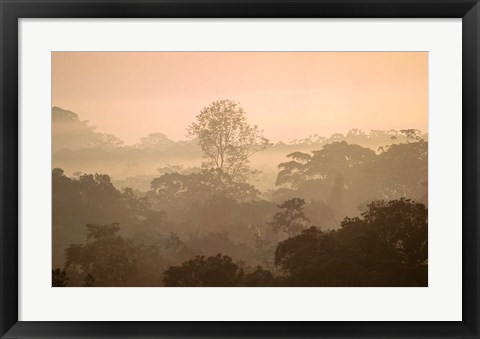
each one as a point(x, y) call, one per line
point(226, 139)
point(291, 219)
point(411, 134)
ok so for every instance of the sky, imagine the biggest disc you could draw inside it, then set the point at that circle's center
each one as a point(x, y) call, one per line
point(290, 95)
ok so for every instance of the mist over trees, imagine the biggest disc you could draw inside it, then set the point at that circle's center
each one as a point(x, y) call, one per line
point(69, 132)
point(77, 148)
point(230, 208)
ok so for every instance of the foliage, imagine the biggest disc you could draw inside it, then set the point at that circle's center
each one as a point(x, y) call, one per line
point(174, 224)
point(386, 246)
point(320, 214)
point(401, 226)
point(85, 200)
point(226, 139)
point(326, 163)
point(401, 171)
point(68, 131)
point(259, 277)
point(211, 243)
point(291, 220)
point(175, 187)
point(106, 256)
point(216, 271)
point(345, 176)
point(155, 141)
point(309, 259)
point(411, 134)
point(89, 281)
point(59, 278)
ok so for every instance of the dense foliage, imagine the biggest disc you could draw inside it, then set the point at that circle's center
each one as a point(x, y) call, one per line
point(385, 246)
point(339, 212)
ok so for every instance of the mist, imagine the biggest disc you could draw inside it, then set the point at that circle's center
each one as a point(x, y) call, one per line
point(161, 210)
point(239, 169)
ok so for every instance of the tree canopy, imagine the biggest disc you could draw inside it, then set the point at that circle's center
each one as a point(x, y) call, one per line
point(226, 139)
point(386, 246)
point(337, 211)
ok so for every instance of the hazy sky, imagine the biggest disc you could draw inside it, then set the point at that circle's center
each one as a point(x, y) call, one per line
point(290, 95)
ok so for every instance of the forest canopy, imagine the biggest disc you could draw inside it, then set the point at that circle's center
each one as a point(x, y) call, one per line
point(230, 208)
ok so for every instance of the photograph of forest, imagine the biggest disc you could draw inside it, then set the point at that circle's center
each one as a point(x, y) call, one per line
point(239, 169)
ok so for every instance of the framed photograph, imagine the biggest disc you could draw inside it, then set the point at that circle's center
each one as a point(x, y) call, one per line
point(239, 169)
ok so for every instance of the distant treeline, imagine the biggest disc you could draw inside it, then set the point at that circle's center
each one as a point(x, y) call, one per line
point(78, 148)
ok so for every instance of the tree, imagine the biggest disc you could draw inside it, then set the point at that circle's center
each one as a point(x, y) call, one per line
point(324, 164)
point(389, 243)
point(59, 278)
point(88, 199)
point(398, 171)
point(215, 271)
point(89, 281)
point(226, 139)
point(259, 277)
point(401, 225)
point(106, 256)
point(310, 259)
point(386, 246)
point(184, 188)
point(291, 220)
point(411, 134)
point(211, 243)
point(69, 132)
point(155, 141)
point(346, 176)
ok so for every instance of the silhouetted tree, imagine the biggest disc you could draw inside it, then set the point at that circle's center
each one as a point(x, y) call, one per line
point(400, 171)
point(259, 277)
point(172, 230)
point(226, 139)
point(106, 256)
point(88, 199)
point(89, 281)
point(309, 259)
point(386, 246)
point(211, 243)
point(180, 188)
point(325, 164)
point(392, 239)
point(59, 278)
point(411, 134)
point(346, 176)
point(216, 271)
point(291, 220)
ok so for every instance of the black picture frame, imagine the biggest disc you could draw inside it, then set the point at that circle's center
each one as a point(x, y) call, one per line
point(11, 11)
